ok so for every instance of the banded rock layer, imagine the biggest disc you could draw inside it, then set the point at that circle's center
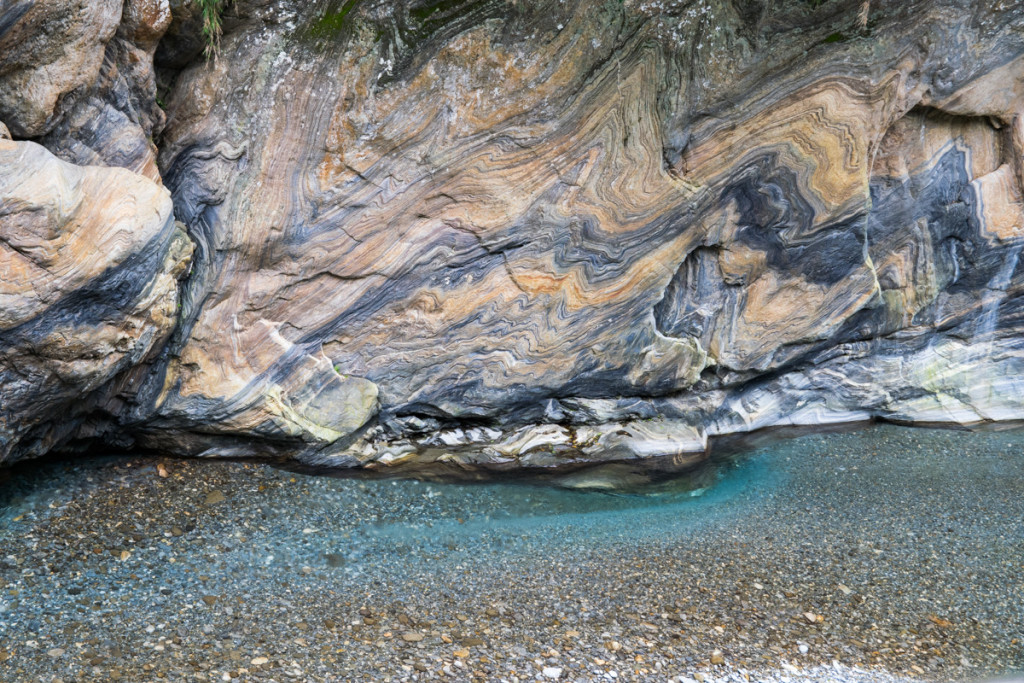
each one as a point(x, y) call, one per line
point(89, 265)
point(531, 233)
point(587, 230)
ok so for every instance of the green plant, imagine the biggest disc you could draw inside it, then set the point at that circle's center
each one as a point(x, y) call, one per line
point(333, 22)
point(212, 11)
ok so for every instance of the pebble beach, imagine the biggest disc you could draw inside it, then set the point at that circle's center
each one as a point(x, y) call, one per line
point(879, 554)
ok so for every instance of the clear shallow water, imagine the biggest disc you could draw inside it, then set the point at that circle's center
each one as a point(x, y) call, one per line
point(495, 519)
point(914, 524)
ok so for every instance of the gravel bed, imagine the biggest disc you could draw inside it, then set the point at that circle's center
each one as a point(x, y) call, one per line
point(883, 554)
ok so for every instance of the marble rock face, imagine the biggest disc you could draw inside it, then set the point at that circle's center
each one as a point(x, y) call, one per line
point(112, 121)
point(49, 50)
point(503, 221)
point(518, 233)
point(78, 78)
point(89, 265)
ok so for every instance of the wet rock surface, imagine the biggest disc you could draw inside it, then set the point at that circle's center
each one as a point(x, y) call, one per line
point(877, 555)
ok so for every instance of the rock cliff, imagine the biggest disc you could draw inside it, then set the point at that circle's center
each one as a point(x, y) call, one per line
point(523, 233)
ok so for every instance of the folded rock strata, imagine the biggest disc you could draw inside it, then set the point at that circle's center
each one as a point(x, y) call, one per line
point(506, 213)
point(49, 50)
point(78, 78)
point(535, 233)
point(89, 262)
point(112, 122)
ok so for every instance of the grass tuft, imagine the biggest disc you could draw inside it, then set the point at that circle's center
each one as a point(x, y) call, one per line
point(212, 11)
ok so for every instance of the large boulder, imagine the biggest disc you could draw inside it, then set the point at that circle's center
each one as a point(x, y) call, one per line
point(48, 50)
point(89, 264)
point(78, 78)
point(112, 122)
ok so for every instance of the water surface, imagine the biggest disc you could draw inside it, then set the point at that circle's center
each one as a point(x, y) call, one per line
point(889, 549)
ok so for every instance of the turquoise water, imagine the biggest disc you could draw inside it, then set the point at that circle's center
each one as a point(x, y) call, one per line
point(914, 523)
point(488, 518)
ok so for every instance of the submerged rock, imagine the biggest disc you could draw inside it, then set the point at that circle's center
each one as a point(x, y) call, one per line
point(523, 234)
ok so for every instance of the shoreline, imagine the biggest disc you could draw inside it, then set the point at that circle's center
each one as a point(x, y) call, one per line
point(218, 564)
